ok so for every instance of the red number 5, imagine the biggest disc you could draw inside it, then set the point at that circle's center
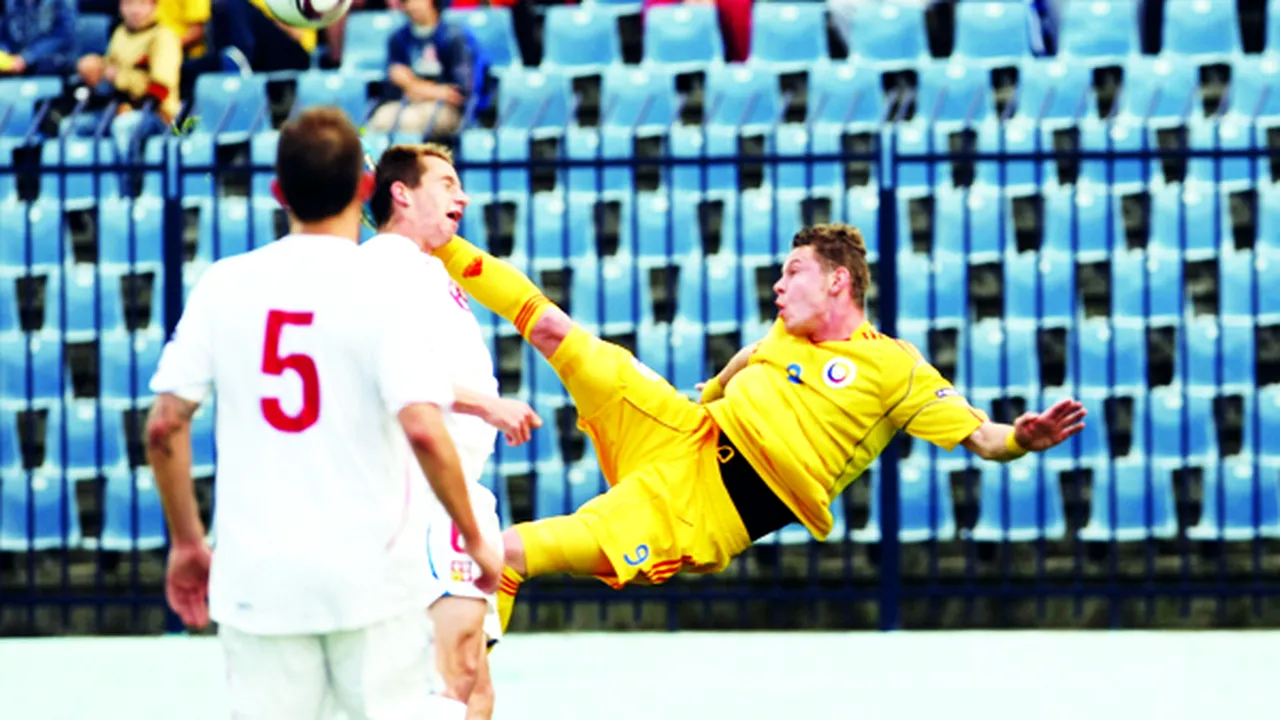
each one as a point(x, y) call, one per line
point(273, 364)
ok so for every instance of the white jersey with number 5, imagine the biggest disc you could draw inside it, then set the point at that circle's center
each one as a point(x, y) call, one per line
point(311, 348)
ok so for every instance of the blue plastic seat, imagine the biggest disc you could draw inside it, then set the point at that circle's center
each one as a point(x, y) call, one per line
point(1092, 445)
point(600, 144)
point(682, 37)
point(1252, 94)
point(1159, 90)
point(1262, 424)
point(668, 227)
point(20, 98)
point(1105, 356)
point(1189, 219)
point(1054, 91)
point(555, 240)
point(926, 509)
point(717, 147)
point(1147, 284)
point(769, 220)
point(797, 168)
point(1082, 222)
point(230, 106)
point(971, 224)
point(481, 149)
point(638, 99)
point(11, 458)
point(536, 100)
point(1100, 32)
point(39, 514)
point(845, 94)
point(789, 35)
point(742, 96)
point(993, 34)
point(954, 92)
point(478, 224)
point(494, 32)
point(1144, 502)
point(132, 516)
point(262, 151)
point(929, 291)
point(1217, 355)
point(101, 302)
point(8, 179)
point(1202, 29)
point(1106, 137)
point(94, 441)
point(861, 209)
point(89, 167)
point(718, 293)
point(41, 355)
point(998, 358)
point(580, 39)
point(319, 87)
point(32, 238)
point(1018, 135)
point(125, 366)
point(677, 352)
point(1232, 133)
point(1240, 502)
point(1040, 287)
point(1181, 425)
point(916, 139)
point(131, 235)
point(1238, 285)
point(1033, 508)
point(225, 229)
point(203, 445)
point(611, 294)
point(191, 162)
point(889, 35)
point(367, 32)
point(93, 31)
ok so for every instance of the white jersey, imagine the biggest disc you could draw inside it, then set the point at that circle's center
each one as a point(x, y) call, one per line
point(467, 361)
point(311, 350)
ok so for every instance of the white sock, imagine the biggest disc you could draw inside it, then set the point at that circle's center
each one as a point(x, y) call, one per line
point(443, 708)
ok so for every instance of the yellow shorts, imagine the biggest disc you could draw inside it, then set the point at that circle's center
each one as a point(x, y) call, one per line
point(667, 509)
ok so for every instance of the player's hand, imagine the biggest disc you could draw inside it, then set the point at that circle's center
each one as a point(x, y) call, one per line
point(186, 585)
point(490, 561)
point(514, 418)
point(1040, 431)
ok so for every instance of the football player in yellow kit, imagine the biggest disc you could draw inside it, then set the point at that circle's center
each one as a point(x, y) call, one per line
point(787, 425)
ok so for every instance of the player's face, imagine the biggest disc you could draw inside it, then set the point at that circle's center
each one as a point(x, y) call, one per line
point(439, 202)
point(803, 292)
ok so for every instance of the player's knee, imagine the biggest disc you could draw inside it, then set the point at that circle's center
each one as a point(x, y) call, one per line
point(513, 551)
point(550, 330)
point(480, 705)
point(461, 662)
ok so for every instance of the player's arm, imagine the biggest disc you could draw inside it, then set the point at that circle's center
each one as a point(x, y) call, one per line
point(514, 418)
point(1032, 432)
point(169, 454)
point(423, 425)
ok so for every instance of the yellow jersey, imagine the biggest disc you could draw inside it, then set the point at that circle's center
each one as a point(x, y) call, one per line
point(178, 15)
point(810, 417)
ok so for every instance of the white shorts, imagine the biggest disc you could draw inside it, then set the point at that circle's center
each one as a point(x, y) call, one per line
point(453, 572)
point(380, 671)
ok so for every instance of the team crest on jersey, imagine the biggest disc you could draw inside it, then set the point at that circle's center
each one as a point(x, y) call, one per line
point(793, 373)
point(946, 392)
point(462, 571)
point(459, 296)
point(838, 373)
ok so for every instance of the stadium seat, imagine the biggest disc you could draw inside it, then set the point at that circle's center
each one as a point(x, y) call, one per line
point(125, 366)
point(1099, 32)
point(1092, 445)
point(131, 235)
point(77, 184)
point(494, 32)
point(971, 224)
point(1018, 135)
point(105, 302)
point(676, 351)
point(365, 47)
point(1190, 220)
point(32, 238)
point(481, 149)
point(1081, 222)
point(992, 34)
point(1114, 172)
point(861, 209)
point(638, 99)
point(11, 459)
point(1143, 504)
point(93, 31)
point(1239, 502)
point(1203, 29)
point(682, 37)
point(262, 152)
point(41, 356)
point(742, 96)
point(1033, 508)
point(37, 514)
point(95, 441)
point(1252, 94)
point(1054, 92)
point(555, 239)
point(318, 87)
point(1147, 285)
point(580, 40)
point(1162, 91)
point(926, 508)
point(1040, 287)
point(480, 225)
point(1104, 356)
point(716, 293)
point(1217, 355)
point(225, 229)
point(611, 294)
point(1262, 424)
point(203, 446)
point(604, 144)
point(953, 93)
point(718, 148)
point(666, 228)
point(1181, 426)
point(797, 169)
point(231, 107)
point(536, 100)
point(768, 222)
point(1233, 134)
point(132, 516)
point(789, 36)
point(1238, 285)
point(192, 167)
point(998, 358)
point(20, 99)
point(889, 36)
point(932, 291)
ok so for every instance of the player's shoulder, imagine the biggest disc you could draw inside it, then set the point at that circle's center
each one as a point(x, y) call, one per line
point(873, 342)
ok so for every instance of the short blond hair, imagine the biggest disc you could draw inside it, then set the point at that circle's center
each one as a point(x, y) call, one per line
point(404, 163)
point(840, 245)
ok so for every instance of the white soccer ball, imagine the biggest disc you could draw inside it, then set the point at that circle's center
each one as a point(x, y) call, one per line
point(309, 13)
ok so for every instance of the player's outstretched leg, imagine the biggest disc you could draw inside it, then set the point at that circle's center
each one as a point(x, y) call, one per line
point(561, 544)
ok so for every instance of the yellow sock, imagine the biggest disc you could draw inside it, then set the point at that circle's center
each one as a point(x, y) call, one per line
point(494, 283)
point(508, 586)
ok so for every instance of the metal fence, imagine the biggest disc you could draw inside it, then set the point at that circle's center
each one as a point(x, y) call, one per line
point(1119, 262)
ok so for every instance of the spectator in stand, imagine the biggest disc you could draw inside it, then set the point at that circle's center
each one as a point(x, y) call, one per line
point(437, 68)
point(189, 21)
point(37, 37)
point(523, 19)
point(735, 24)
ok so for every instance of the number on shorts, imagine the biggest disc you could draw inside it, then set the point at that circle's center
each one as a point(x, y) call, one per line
point(303, 365)
point(456, 540)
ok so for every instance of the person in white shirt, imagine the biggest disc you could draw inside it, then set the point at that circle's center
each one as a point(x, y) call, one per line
point(321, 366)
point(417, 203)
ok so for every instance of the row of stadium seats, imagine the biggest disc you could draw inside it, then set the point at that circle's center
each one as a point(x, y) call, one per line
point(1020, 503)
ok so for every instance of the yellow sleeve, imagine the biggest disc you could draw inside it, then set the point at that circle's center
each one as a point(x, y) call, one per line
point(926, 406)
point(166, 68)
point(195, 12)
